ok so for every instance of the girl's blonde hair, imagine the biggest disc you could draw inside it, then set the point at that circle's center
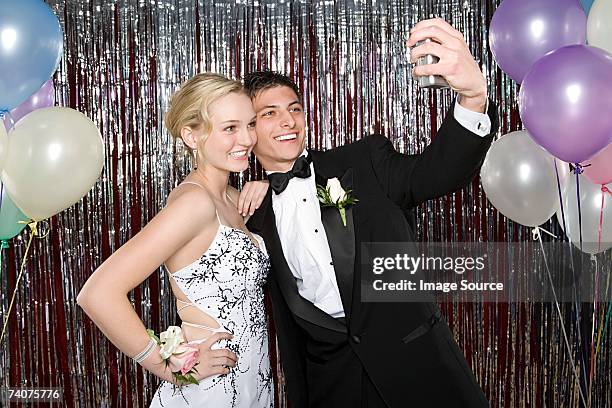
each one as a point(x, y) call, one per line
point(190, 104)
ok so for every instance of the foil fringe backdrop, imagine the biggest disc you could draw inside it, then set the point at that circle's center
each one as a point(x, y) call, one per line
point(123, 59)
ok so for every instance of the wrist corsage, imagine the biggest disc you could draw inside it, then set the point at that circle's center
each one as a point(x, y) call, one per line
point(333, 195)
point(178, 355)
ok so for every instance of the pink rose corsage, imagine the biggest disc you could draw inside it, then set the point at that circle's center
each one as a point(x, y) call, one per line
point(181, 357)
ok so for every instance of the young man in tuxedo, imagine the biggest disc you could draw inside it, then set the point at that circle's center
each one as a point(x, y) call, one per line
point(335, 349)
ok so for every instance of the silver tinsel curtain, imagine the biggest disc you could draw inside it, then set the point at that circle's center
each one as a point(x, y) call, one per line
point(122, 61)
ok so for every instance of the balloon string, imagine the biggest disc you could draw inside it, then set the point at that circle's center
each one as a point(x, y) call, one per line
point(605, 326)
point(569, 349)
point(577, 171)
point(34, 229)
point(595, 350)
point(3, 246)
point(604, 190)
point(560, 196)
point(602, 330)
point(571, 254)
point(594, 325)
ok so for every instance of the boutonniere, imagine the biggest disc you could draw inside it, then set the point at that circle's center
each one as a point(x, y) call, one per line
point(334, 196)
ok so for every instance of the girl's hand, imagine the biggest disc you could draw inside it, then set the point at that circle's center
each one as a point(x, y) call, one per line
point(214, 362)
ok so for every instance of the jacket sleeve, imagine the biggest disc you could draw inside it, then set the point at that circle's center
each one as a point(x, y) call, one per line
point(446, 165)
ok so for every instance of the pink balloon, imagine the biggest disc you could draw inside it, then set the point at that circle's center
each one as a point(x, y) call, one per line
point(600, 169)
point(43, 98)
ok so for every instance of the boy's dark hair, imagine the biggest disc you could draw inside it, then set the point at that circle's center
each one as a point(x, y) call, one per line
point(257, 81)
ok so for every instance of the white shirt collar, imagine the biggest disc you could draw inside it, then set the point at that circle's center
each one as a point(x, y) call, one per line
point(304, 153)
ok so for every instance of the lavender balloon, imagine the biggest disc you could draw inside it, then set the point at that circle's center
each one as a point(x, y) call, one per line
point(43, 98)
point(566, 102)
point(523, 31)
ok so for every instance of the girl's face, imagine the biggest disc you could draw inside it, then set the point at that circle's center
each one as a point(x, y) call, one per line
point(232, 136)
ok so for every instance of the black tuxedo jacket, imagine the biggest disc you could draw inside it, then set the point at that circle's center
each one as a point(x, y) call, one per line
point(408, 357)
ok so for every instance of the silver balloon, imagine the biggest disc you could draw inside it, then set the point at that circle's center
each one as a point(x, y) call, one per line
point(590, 212)
point(519, 179)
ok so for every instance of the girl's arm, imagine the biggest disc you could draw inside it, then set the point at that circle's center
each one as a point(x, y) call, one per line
point(104, 297)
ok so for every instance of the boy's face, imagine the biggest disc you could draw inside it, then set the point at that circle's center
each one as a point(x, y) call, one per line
point(280, 128)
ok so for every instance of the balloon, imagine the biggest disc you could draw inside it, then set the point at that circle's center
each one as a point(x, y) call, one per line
point(519, 179)
point(31, 45)
point(56, 155)
point(599, 25)
point(42, 98)
point(600, 169)
point(10, 216)
point(590, 208)
point(566, 100)
point(3, 143)
point(586, 5)
point(523, 31)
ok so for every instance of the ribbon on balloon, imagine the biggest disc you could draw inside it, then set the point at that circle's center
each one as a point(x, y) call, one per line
point(6, 114)
point(604, 190)
point(34, 233)
point(3, 245)
point(578, 171)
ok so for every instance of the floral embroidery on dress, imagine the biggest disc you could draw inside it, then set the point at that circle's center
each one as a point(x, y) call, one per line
point(227, 284)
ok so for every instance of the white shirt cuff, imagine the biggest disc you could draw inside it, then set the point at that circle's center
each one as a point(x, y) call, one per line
point(475, 122)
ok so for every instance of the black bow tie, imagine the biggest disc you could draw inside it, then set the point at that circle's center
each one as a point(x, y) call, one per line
point(301, 169)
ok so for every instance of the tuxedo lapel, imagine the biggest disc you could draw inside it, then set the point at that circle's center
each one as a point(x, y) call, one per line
point(266, 224)
point(340, 238)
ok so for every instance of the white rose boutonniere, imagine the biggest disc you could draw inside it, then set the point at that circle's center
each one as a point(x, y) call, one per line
point(333, 195)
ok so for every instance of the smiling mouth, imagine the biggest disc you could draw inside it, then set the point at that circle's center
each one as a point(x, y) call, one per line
point(238, 154)
point(288, 136)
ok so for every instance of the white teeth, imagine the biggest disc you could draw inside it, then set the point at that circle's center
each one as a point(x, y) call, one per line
point(286, 137)
point(238, 154)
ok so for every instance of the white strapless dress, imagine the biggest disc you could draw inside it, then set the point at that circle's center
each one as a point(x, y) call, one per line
point(227, 284)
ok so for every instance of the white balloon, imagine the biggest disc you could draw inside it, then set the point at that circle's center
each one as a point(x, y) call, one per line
point(520, 180)
point(590, 211)
point(55, 155)
point(599, 25)
point(3, 143)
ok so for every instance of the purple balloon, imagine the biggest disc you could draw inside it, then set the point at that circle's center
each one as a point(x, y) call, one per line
point(43, 98)
point(566, 99)
point(523, 31)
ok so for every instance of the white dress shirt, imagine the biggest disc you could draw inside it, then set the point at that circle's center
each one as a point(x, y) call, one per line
point(304, 242)
point(302, 236)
